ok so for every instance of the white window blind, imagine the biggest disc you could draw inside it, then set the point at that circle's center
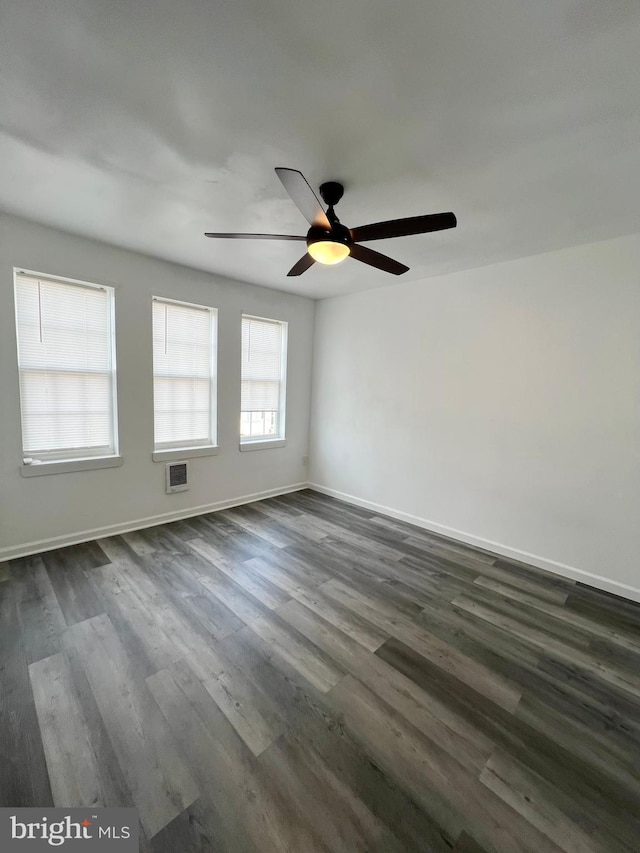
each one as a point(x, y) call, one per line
point(184, 368)
point(66, 362)
point(264, 351)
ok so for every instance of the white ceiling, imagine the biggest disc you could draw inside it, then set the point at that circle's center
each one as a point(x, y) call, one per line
point(145, 123)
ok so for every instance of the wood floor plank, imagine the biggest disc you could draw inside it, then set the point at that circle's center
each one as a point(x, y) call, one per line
point(319, 726)
point(41, 618)
point(248, 709)
point(605, 610)
point(289, 558)
point(262, 527)
point(361, 630)
point(431, 537)
point(549, 588)
point(525, 793)
point(194, 830)
point(559, 630)
point(215, 555)
point(534, 740)
point(574, 700)
point(342, 526)
point(128, 602)
point(438, 566)
point(114, 784)
point(68, 570)
point(255, 818)
point(589, 687)
point(156, 772)
point(380, 600)
point(233, 541)
point(339, 818)
point(214, 757)
point(619, 647)
point(246, 606)
point(467, 844)
point(438, 782)
point(466, 670)
point(624, 681)
point(23, 774)
point(596, 735)
point(282, 502)
point(211, 613)
point(289, 644)
point(74, 768)
point(90, 555)
point(286, 578)
point(466, 743)
point(515, 568)
point(138, 543)
point(461, 556)
point(332, 561)
point(178, 578)
point(490, 646)
point(302, 523)
point(116, 548)
point(184, 529)
point(324, 506)
point(511, 590)
point(345, 534)
point(164, 540)
point(426, 537)
point(254, 583)
point(223, 585)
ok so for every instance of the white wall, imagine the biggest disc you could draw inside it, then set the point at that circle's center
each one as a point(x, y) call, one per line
point(499, 405)
point(49, 510)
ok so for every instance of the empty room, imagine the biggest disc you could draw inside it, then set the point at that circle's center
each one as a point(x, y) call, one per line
point(320, 421)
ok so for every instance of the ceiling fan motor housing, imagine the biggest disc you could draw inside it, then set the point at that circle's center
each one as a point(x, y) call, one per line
point(331, 192)
point(337, 234)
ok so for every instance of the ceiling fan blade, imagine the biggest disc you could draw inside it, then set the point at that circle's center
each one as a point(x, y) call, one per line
point(375, 259)
point(303, 197)
point(302, 265)
point(404, 227)
point(254, 236)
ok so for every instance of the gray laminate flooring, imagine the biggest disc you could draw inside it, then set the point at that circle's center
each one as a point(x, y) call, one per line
point(302, 675)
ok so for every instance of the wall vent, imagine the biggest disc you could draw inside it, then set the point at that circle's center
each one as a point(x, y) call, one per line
point(177, 477)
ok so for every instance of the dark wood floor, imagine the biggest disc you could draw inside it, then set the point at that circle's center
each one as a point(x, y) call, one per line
point(301, 675)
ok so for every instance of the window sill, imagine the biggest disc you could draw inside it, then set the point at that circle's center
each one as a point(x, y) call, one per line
point(66, 466)
point(264, 444)
point(184, 453)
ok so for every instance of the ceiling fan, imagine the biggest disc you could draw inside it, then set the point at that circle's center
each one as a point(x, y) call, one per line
point(329, 241)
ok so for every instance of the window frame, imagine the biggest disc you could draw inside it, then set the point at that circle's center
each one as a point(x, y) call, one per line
point(167, 451)
point(262, 442)
point(77, 459)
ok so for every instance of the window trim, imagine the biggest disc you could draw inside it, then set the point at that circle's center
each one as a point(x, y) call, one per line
point(185, 452)
point(262, 442)
point(55, 462)
point(165, 451)
point(66, 466)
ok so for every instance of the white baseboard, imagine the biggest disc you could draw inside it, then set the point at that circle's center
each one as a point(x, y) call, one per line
point(40, 545)
point(552, 566)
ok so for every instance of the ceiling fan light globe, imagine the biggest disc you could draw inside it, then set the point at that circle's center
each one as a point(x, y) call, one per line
point(328, 252)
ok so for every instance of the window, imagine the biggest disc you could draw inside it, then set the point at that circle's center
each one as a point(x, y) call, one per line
point(66, 361)
point(264, 363)
point(184, 374)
